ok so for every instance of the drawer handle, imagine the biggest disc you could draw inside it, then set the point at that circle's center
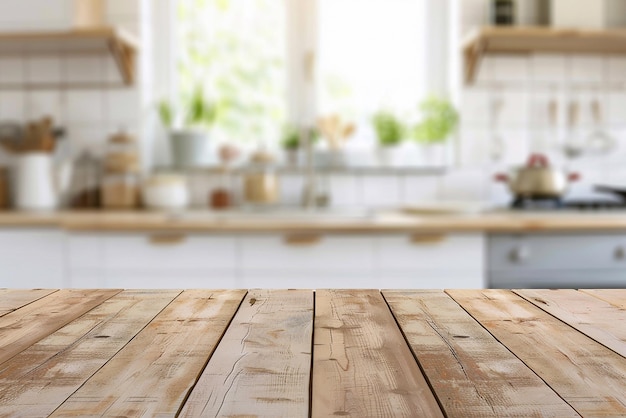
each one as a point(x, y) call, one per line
point(422, 239)
point(167, 239)
point(303, 240)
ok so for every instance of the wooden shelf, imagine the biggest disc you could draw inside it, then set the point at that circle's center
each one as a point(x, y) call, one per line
point(121, 45)
point(529, 40)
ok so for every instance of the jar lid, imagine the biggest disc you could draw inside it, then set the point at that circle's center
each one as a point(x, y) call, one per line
point(166, 180)
point(122, 137)
point(262, 157)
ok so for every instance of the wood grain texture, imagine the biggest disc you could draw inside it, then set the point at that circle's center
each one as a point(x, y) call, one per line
point(362, 365)
point(153, 374)
point(472, 374)
point(22, 328)
point(589, 376)
point(616, 297)
point(593, 317)
point(13, 299)
point(52, 369)
point(262, 365)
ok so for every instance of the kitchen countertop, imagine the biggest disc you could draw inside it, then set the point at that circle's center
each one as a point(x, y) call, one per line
point(381, 222)
point(300, 353)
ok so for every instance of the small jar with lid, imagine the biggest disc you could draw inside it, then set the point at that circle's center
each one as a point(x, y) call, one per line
point(121, 188)
point(261, 183)
point(86, 182)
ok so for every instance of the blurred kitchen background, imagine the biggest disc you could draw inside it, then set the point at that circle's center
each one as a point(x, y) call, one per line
point(301, 108)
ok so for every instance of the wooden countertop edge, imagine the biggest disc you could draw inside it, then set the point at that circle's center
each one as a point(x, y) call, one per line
point(498, 222)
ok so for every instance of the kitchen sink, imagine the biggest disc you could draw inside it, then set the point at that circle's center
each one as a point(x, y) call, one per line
point(274, 215)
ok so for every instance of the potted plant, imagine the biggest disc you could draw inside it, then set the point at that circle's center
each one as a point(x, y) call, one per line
point(439, 121)
point(390, 133)
point(291, 142)
point(189, 128)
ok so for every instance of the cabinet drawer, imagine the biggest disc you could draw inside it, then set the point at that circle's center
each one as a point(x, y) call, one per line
point(158, 252)
point(312, 253)
point(557, 252)
point(451, 279)
point(430, 252)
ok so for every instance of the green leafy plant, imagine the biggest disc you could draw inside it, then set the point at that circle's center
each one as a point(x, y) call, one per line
point(440, 120)
point(291, 137)
point(195, 111)
point(389, 130)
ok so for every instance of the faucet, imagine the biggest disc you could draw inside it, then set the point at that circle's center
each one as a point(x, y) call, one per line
point(312, 196)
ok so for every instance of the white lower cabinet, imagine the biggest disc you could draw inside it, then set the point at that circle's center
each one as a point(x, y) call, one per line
point(308, 261)
point(32, 258)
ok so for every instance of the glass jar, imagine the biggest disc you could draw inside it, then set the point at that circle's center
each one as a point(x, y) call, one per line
point(121, 191)
point(261, 183)
point(84, 192)
point(122, 154)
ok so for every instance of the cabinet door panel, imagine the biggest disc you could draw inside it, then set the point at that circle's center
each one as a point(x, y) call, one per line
point(32, 258)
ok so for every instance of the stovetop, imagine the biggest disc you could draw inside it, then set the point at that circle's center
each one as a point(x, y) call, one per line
point(555, 204)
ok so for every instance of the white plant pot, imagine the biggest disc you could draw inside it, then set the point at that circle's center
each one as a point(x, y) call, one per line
point(433, 155)
point(389, 156)
point(189, 148)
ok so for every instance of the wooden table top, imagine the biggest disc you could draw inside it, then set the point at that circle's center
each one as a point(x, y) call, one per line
point(298, 353)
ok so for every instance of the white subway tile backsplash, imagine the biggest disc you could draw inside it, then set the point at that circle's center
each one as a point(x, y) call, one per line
point(122, 106)
point(381, 191)
point(12, 70)
point(547, 68)
point(85, 106)
point(615, 112)
point(81, 137)
point(514, 111)
point(84, 69)
point(510, 69)
point(464, 184)
point(586, 69)
point(474, 109)
point(345, 190)
point(617, 69)
point(12, 106)
point(291, 190)
point(45, 103)
point(418, 189)
point(44, 69)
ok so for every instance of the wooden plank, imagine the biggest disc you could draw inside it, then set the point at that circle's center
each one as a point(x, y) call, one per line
point(616, 297)
point(262, 365)
point(472, 374)
point(362, 366)
point(22, 328)
point(593, 317)
point(153, 374)
point(13, 299)
point(589, 376)
point(37, 380)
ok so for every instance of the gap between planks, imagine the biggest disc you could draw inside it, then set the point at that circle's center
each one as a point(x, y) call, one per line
point(587, 375)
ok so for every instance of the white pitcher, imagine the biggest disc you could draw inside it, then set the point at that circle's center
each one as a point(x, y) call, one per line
point(38, 184)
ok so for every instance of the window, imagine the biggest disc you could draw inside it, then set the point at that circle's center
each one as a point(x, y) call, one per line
point(369, 56)
point(236, 51)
